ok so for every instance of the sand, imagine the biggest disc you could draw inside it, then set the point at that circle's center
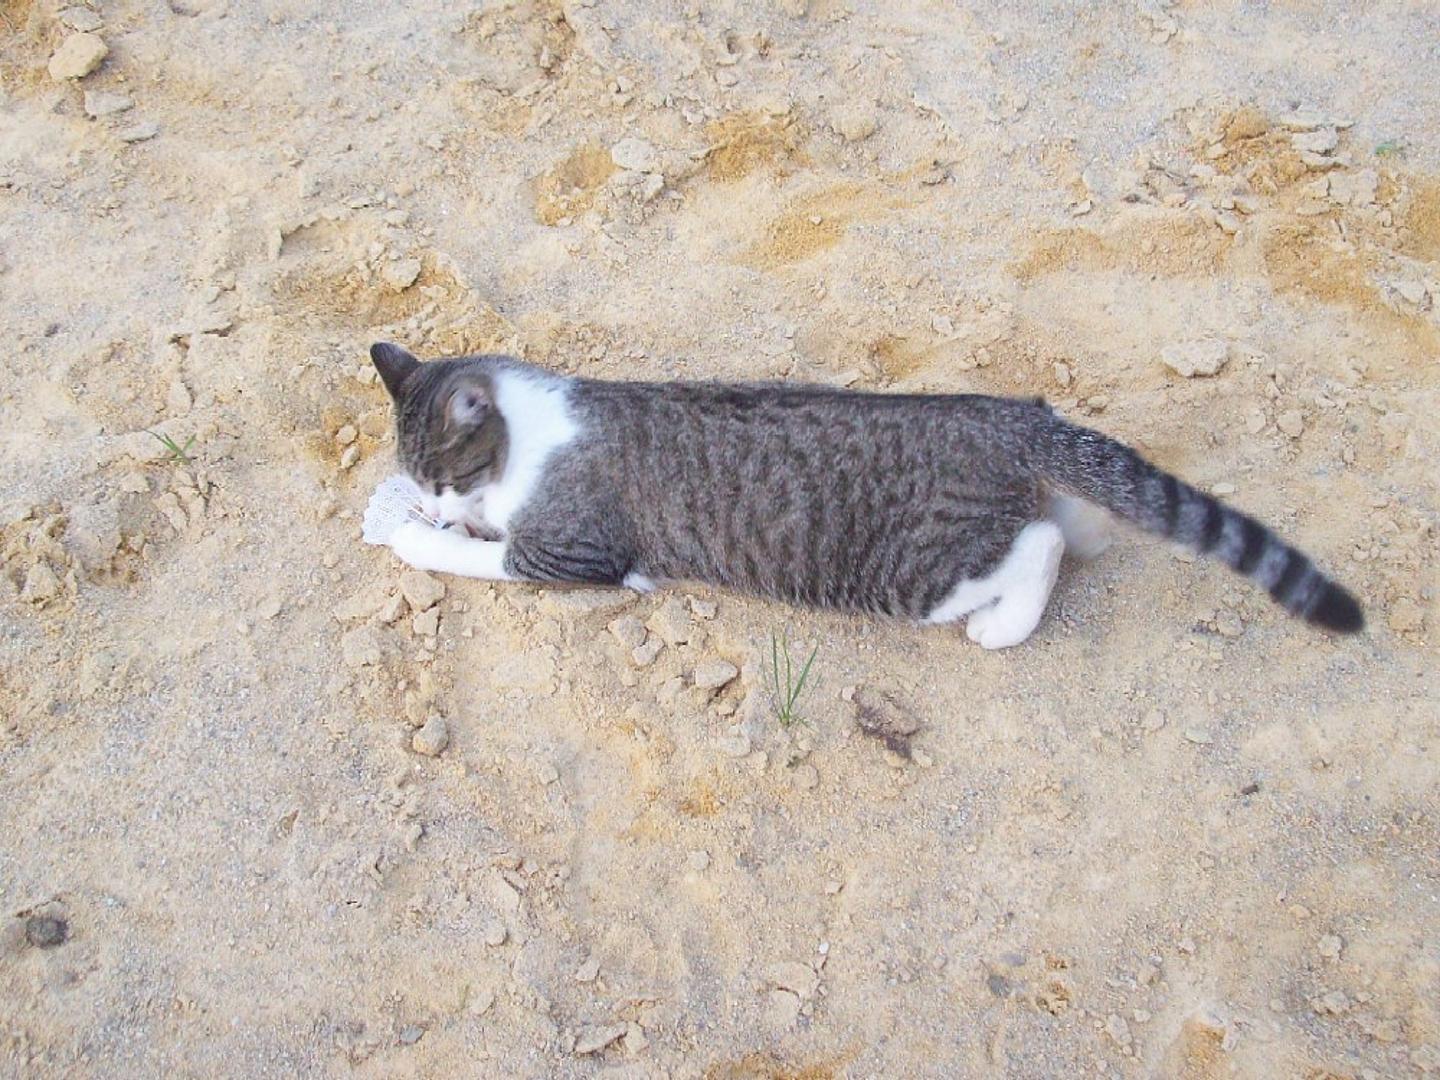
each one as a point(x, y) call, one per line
point(273, 807)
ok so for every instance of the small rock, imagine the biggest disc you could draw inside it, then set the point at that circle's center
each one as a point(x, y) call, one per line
point(1228, 624)
point(420, 590)
point(1335, 1003)
point(178, 399)
point(100, 103)
point(595, 1039)
point(495, 933)
point(735, 746)
point(411, 1034)
point(792, 975)
point(1118, 1029)
point(699, 861)
point(1190, 359)
point(140, 132)
point(82, 19)
point(1412, 291)
point(644, 655)
point(1291, 422)
point(361, 647)
point(1405, 616)
point(1322, 141)
point(431, 739)
point(702, 609)
point(1246, 122)
point(588, 971)
point(426, 623)
point(346, 435)
point(856, 124)
point(1154, 721)
point(672, 622)
point(635, 1040)
point(400, 274)
point(41, 585)
point(635, 154)
point(629, 631)
point(77, 56)
point(46, 931)
point(1330, 946)
point(806, 778)
point(784, 1009)
point(713, 674)
point(1198, 736)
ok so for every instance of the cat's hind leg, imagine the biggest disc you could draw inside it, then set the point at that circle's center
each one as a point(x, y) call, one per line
point(1088, 528)
point(1004, 607)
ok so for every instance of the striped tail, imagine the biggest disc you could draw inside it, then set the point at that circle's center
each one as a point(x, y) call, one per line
point(1097, 468)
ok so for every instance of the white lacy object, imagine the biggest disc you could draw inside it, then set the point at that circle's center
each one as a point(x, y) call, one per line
point(396, 501)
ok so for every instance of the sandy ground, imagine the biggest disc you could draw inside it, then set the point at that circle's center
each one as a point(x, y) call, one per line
point(1174, 835)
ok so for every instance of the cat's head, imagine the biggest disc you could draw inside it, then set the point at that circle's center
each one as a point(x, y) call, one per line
point(450, 437)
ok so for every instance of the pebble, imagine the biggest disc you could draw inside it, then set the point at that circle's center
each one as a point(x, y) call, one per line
point(82, 19)
point(594, 1039)
point(1190, 359)
point(1291, 422)
point(1228, 624)
point(361, 647)
point(41, 585)
point(735, 746)
point(346, 435)
point(699, 860)
point(635, 1040)
point(702, 609)
point(588, 972)
point(856, 124)
point(672, 622)
point(1118, 1029)
point(426, 623)
point(1320, 141)
point(77, 56)
point(421, 591)
point(635, 154)
point(1330, 946)
point(800, 979)
point(713, 674)
point(431, 739)
point(629, 631)
point(140, 132)
point(1405, 616)
point(644, 655)
point(400, 274)
point(46, 931)
point(1198, 736)
point(495, 933)
point(1413, 291)
point(100, 103)
point(411, 1034)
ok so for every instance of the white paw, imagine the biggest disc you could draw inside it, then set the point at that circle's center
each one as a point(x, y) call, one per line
point(1001, 625)
point(418, 544)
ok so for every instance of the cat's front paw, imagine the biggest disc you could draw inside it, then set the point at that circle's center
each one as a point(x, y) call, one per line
point(418, 544)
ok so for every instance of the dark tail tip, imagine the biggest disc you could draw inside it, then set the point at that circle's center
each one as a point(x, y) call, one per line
point(1337, 610)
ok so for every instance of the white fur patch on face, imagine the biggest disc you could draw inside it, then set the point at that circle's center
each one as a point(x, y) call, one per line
point(639, 582)
point(1005, 606)
point(538, 422)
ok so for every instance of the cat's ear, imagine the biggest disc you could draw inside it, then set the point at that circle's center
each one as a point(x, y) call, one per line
point(394, 365)
point(468, 406)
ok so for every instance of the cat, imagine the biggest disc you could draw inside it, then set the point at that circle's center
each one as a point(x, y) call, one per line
point(929, 507)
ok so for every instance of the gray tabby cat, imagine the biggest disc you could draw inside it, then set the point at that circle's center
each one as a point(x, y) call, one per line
point(930, 507)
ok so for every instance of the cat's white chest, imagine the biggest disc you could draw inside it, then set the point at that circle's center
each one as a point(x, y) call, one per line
point(538, 422)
